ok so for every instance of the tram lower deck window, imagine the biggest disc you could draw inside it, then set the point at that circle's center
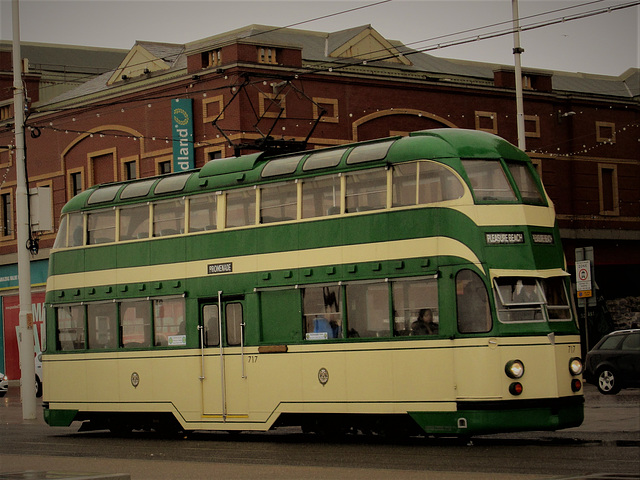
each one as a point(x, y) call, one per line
point(415, 307)
point(368, 310)
point(322, 312)
point(71, 327)
point(102, 319)
point(135, 319)
point(169, 322)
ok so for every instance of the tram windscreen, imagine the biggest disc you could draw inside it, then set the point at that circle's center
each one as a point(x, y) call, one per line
point(526, 183)
point(558, 306)
point(488, 180)
point(531, 299)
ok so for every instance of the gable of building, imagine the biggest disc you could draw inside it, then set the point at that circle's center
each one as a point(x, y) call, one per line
point(365, 43)
point(144, 59)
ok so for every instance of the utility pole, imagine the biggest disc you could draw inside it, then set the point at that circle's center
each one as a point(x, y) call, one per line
point(517, 51)
point(25, 326)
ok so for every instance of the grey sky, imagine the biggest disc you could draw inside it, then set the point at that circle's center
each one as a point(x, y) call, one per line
point(603, 43)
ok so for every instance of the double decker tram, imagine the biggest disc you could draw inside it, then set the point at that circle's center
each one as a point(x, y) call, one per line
point(412, 284)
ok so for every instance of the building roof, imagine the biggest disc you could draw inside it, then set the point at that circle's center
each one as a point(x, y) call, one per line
point(54, 57)
point(360, 47)
point(626, 85)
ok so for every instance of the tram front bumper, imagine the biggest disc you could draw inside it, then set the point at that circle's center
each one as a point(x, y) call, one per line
point(485, 417)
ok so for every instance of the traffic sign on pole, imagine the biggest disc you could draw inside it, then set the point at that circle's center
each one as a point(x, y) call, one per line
point(583, 279)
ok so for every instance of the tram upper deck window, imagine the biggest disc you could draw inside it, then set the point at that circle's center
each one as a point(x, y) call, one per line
point(101, 227)
point(369, 152)
point(168, 217)
point(323, 159)
point(134, 222)
point(519, 300)
point(61, 237)
point(488, 181)
point(322, 312)
point(70, 233)
point(137, 189)
point(278, 202)
point(203, 212)
point(526, 183)
point(424, 182)
point(103, 194)
point(241, 207)
point(173, 183)
point(366, 190)
point(281, 166)
point(321, 196)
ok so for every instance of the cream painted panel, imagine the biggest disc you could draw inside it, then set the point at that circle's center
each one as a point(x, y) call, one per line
point(413, 248)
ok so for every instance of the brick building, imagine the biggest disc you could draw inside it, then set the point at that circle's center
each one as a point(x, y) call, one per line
point(271, 88)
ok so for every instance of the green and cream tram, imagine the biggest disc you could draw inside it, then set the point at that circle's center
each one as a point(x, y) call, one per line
point(410, 283)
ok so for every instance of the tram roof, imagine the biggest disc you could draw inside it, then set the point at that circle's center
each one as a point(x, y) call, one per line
point(435, 144)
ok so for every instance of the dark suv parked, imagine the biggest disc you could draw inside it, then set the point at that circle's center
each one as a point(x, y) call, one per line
point(614, 363)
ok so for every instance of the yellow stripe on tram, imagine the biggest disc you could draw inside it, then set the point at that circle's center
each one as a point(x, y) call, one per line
point(317, 257)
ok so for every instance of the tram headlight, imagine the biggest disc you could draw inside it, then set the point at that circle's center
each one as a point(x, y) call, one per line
point(514, 369)
point(575, 366)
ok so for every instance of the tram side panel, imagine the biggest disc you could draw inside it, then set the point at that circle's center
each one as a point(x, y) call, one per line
point(371, 378)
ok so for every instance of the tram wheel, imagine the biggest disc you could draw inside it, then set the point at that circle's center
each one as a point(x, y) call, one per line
point(120, 429)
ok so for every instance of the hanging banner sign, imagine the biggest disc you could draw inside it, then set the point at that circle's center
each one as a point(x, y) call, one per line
point(182, 126)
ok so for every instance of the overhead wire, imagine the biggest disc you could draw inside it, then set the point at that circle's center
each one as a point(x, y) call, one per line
point(323, 17)
point(173, 57)
point(505, 22)
point(345, 63)
point(255, 34)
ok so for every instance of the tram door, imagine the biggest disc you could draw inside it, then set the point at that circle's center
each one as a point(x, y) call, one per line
point(477, 361)
point(224, 383)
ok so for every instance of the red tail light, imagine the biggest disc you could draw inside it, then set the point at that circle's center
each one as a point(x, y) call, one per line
point(515, 388)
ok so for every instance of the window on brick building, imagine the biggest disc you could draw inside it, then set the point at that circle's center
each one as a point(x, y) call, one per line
point(5, 112)
point(75, 178)
point(164, 167)
point(608, 185)
point(267, 55)
point(130, 172)
point(606, 132)
point(212, 58)
point(214, 155)
point(5, 214)
point(103, 168)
